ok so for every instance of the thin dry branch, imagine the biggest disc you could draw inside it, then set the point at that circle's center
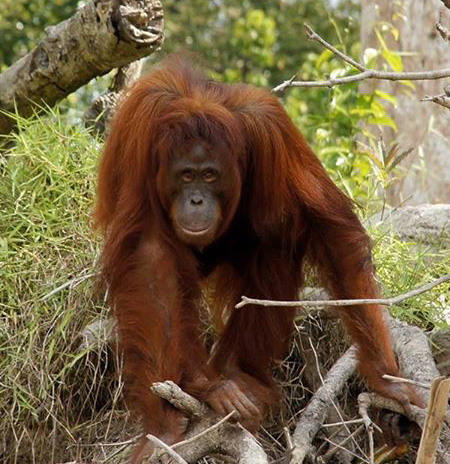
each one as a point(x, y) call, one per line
point(442, 99)
point(395, 379)
point(443, 31)
point(352, 302)
point(365, 73)
point(414, 414)
point(320, 405)
point(368, 424)
point(340, 446)
point(314, 36)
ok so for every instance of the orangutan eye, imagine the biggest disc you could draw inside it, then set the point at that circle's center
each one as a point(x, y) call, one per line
point(187, 176)
point(209, 176)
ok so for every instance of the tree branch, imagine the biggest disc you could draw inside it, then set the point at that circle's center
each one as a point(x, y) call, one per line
point(361, 76)
point(321, 404)
point(442, 99)
point(352, 302)
point(99, 37)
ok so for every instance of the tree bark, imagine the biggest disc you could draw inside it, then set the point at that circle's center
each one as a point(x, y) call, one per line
point(422, 125)
point(101, 36)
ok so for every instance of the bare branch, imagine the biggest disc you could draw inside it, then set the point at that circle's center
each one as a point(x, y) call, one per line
point(377, 401)
point(369, 74)
point(172, 393)
point(364, 74)
point(395, 379)
point(340, 446)
point(320, 405)
point(368, 424)
point(415, 414)
point(442, 99)
point(314, 36)
point(353, 302)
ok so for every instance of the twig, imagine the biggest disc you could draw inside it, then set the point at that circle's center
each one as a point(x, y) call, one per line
point(122, 447)
point(349, 422)
point(330, 453)
point(204, 432)
point(160, 444)
point(442, 99)
point(370, 74)
point(364, 74)
point(314, 36)
point(318, 408)
point(414, 413)
point(395, 379)
point(361, 301)
point(339, 446)
point(72, 283)
point(287, 436)
point(368, 424)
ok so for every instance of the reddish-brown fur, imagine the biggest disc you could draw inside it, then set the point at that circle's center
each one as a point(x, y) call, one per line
point(286, 210)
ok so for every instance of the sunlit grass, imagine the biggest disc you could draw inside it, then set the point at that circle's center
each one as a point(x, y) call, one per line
point(403, 266)
point(53, 389)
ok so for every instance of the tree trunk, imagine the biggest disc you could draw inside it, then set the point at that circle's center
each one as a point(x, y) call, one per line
point(422, 125)
point(102, 35)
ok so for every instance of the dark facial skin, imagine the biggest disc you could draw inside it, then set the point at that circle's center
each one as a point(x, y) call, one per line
point(198, 190)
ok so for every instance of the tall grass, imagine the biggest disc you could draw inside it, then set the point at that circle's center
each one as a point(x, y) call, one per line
point(55, 389)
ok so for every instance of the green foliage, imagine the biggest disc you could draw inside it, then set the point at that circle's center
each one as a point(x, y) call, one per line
point(402, 266)
point(251, 41)
point(340, 122)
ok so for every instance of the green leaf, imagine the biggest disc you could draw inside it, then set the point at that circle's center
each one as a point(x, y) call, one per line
point(393, 59)
point(386, 96)
point(383, 121)
point(408, 84)
point(374, 158)
point(381, 40)
point(323, 57)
